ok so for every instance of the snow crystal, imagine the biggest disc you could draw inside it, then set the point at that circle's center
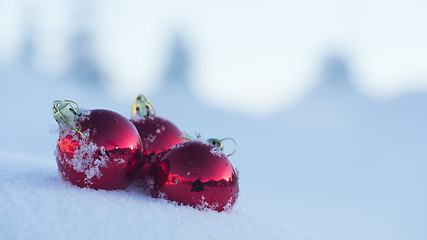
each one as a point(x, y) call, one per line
point(228, 206)
point(151, 138)
point(150, 183)
point(65, 130)
point(216, 152)
point(176, 146)
point(200, 139)
point(119, 160)
point(161, 195)
point(138, 118)
point(161, 129)
point(204, 205)
point(83, 160)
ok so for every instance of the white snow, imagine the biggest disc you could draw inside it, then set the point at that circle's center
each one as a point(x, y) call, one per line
point(150, 138)
point(83, 160)
point(138, 117)
point(176, 146)
point(36, 204)
point(119, 160)
point(216, 151)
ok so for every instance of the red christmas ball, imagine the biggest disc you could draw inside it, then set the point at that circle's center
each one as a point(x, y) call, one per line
point(197, 174)
point(99, 149)
point(157, 135)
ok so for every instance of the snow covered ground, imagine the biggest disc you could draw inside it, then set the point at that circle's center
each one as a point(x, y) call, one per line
point(36, 204)
point(336, 166)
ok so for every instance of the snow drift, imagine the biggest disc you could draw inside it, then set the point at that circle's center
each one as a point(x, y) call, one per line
point(36, 204)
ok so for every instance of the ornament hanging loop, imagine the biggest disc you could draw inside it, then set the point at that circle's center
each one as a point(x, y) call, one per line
point(219, 144)
point(235, 145)
point(142, 107)
point(65, 112)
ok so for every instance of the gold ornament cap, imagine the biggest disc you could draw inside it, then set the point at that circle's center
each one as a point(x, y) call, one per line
point(142, 107)
point(64, 111)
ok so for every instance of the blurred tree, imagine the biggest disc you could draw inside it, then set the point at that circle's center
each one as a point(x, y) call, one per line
point(176, 72)
point(83, 66)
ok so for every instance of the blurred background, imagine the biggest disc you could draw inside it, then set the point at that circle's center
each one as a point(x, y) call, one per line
point(326, 99)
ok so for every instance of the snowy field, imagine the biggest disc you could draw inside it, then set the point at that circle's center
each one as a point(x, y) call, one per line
point(336, 166)
point(36, 204)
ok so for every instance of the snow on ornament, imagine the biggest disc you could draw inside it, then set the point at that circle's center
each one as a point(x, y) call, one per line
point(198, 173)
point(157, 136)
point(99, 149)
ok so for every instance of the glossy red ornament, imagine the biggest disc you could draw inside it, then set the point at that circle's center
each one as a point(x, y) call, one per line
point(197, 174)
point(99, 149)
point(157, 135)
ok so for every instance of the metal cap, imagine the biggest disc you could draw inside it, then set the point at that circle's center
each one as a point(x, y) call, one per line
point(142, 107)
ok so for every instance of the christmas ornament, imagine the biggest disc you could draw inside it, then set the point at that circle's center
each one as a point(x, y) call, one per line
point(198, 174)
point(98, 149)
point(157, 135)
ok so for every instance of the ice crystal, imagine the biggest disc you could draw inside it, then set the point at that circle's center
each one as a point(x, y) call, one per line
point(216, 152)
